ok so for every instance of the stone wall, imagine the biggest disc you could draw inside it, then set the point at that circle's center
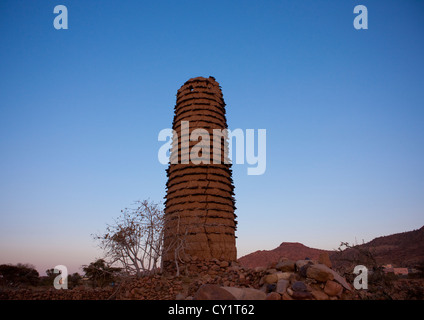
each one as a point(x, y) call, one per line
point(53, 294)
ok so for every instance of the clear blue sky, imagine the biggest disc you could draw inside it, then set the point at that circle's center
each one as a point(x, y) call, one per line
point(80, 111)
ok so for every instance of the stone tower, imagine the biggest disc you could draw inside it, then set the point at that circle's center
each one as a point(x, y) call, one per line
point(199, 207)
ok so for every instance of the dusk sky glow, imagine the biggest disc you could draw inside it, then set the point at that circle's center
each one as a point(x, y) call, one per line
point(81, 110)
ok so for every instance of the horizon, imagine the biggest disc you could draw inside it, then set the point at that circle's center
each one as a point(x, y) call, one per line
point(81, 110)
point(79, 270)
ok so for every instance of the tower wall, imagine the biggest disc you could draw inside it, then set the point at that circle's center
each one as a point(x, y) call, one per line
point(199, 204)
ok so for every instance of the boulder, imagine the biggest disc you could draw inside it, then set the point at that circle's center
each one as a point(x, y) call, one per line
point(274, 277)
point(270, 287)
point(282, 286)
point(212, 292)
point(299, 286)
point(320, 272)
point(180, 296)
point(286, 296)
point(285, 266)
point(271, 270)
point(324, 259)
point(302, 295)
point(333, 288)
point(273, 296)
point(302, 271)
point(253, 294)
point(284, 275)
point(224, 264)
point(236, 292)
point(245, 293)
point(271, 278)
point(300, 263)
point(319, 295)
point(342, 281)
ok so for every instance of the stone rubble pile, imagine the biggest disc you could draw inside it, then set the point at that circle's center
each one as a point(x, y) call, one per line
point(153, 287)
point(214, 272)
point(285, 280)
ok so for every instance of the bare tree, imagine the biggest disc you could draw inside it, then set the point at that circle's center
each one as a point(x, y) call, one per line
point(135, 239)
point(100, 273)
point(353, 255)
point(177, 245)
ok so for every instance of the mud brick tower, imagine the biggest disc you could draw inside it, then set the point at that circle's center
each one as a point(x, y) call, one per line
point(199, 204)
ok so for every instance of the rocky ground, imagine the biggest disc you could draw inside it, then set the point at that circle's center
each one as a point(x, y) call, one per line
point(53, 294)
point(282, 280)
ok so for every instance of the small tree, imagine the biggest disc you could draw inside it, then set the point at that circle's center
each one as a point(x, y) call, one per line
point(100, 273)
point(19, 275)
point(48, 279)
point(135, 239)
point(74, 280)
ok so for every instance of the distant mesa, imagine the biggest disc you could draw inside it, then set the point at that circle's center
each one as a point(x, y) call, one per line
point(291, 250)
point(401, 249)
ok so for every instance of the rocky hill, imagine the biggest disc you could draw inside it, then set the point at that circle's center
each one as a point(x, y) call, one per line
point(401, 249)
point(291, 250)
point(405, 249)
